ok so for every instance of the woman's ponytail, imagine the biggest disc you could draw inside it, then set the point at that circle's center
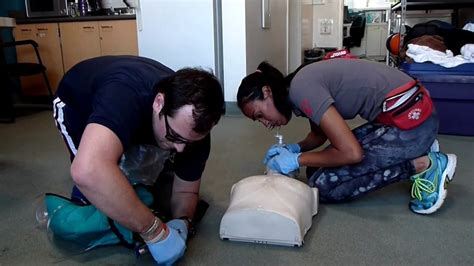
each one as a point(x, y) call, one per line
point(266, 75)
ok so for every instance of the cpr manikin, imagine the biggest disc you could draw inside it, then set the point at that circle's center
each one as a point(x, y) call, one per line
point(269, 209)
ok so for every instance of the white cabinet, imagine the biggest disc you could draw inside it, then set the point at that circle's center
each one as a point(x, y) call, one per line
point(376, 37)
point(373, 42)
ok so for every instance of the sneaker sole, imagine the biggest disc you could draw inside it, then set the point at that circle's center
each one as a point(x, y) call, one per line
point(446, 177)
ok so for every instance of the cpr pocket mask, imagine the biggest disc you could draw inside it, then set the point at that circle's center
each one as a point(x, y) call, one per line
point(406, 107)
point(141, 164)
point(269, 209)
point(77, 228)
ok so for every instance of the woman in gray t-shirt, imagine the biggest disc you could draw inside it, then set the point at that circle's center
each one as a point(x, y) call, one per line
point(358, 161)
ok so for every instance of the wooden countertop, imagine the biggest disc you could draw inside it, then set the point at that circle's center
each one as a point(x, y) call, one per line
point(7, 22)
point(73, 19)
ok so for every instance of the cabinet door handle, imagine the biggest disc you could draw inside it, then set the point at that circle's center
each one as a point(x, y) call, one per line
point(26, 30)
point(88, 28)
point(107, 27)
point(43, 29)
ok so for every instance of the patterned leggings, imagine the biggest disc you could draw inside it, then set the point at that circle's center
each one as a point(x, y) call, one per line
point(388, 152)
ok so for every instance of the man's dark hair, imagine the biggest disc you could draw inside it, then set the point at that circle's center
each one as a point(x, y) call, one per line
point(198, 88)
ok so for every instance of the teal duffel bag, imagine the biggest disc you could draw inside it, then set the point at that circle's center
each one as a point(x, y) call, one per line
point(85, 225)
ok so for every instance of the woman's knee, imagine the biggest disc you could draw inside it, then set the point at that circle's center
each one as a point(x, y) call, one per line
point(310, 171)
point(328, 196)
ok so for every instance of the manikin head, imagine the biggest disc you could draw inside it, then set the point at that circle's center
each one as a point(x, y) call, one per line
point(186, 107)
point(263, 96)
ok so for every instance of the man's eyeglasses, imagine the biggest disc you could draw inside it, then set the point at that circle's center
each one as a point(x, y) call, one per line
point(172, 136)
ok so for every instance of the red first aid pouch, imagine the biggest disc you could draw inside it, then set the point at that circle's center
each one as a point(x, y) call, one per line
point(406, 107)
point(343, 53)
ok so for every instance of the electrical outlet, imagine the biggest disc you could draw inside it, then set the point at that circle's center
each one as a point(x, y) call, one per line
point(325, 26)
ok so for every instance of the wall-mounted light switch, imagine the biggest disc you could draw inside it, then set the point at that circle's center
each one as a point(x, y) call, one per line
point(325, 26)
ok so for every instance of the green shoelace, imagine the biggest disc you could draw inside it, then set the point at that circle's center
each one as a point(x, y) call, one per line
point(421, 184)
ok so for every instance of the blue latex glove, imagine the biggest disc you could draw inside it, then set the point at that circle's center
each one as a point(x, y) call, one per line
point(293, 147)
point(275, 150)
point(168, 250)
point(285, 162)
point(181, 226)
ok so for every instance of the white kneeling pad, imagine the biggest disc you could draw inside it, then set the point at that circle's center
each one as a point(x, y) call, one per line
point(269, 209)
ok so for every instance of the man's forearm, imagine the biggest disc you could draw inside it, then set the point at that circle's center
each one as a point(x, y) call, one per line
point(109, 190)
point(184, 204)
point(97, 175)
point(184, 198)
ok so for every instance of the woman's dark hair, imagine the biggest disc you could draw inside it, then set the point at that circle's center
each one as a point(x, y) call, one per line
point(196, 87)
point(266, 75)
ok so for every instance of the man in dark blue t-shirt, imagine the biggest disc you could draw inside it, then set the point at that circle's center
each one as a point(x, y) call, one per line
point(105, 106)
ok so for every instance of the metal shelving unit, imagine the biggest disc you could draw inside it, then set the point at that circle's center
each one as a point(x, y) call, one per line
point(399, 10)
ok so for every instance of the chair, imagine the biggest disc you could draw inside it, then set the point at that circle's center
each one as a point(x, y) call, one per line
point(356, 33)
point(16, 70)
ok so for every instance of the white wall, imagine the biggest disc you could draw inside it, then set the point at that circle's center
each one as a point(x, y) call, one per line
point(307, 25)
point(333, 10)
point(246, 44)
point(171, 32)
point(295, 34)
point(180, 33)
point(300, 31)
point(234, 47)
point(367, 3)
point(414, 17)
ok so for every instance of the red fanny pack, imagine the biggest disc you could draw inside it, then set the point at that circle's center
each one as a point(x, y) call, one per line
point(343, 53)
point(406, 107)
